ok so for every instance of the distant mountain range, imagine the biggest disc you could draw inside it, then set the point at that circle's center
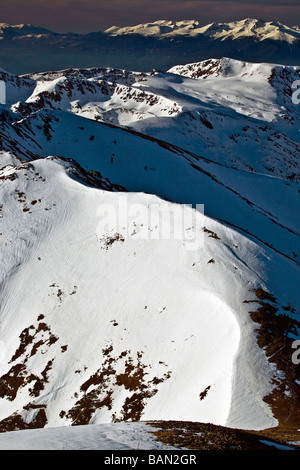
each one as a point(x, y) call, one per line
point(258, 29)
point(158, 45)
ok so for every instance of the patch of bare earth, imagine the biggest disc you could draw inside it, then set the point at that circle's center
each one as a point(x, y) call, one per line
point(101, 388)
point(207, 436)
point(276, 331)
point(32, 340)
point(16, 421)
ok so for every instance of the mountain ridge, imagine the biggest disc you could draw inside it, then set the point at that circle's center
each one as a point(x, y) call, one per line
point(251, 26)
point(259, 29)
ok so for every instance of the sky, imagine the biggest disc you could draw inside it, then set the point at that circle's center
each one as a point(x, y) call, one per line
point(83, 16)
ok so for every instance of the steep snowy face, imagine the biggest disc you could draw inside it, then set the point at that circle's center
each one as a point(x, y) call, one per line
point(76, 342)
point(104, 319)
point(260, 91)
point(236, 113)
point(262, 87)
point(141, 163)
point(260, 73)
point(15, 88)
point(94, 98)
point(225, 68)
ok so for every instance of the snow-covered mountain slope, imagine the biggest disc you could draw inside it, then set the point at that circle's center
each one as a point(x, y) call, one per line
point(116, 436)
point(104, 322)
point(246, 28)
point(140, 163)
point(114, 308)
point(180, 440)
point(236, 113)
point(16, 88)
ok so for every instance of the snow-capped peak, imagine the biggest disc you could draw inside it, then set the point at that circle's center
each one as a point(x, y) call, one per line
point(248, 27)
point(259, 29)
point(156, 28)
point(22, 29)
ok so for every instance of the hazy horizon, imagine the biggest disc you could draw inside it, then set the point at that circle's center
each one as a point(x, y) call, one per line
point(84, 16)
point(135, 24)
